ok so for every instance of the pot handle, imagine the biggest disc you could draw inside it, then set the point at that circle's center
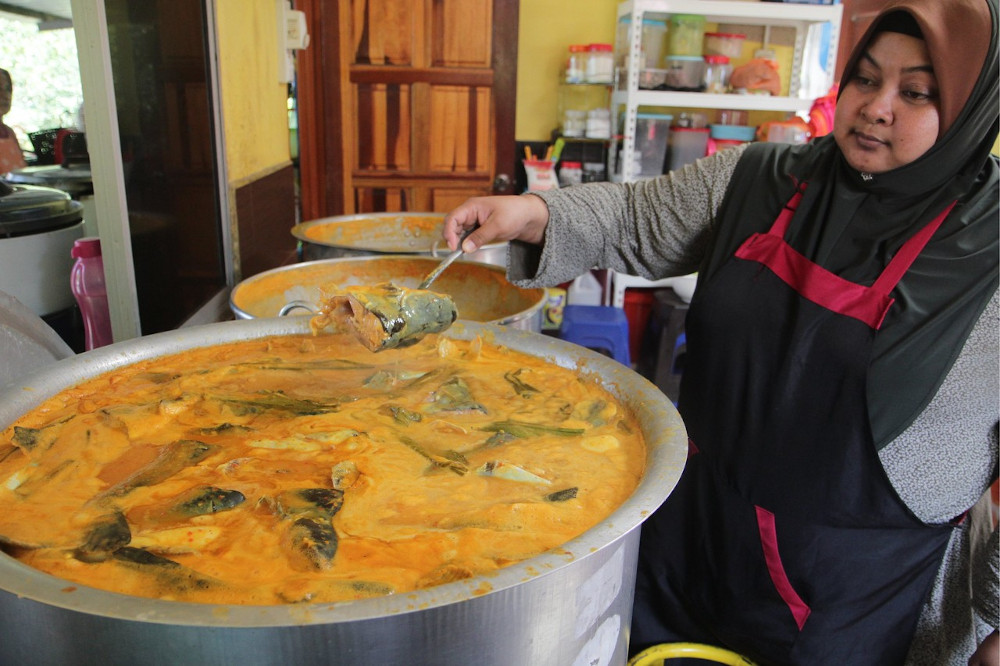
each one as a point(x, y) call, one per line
point(287, 308)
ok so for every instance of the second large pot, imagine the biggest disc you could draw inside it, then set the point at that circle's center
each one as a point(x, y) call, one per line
point(480, 291)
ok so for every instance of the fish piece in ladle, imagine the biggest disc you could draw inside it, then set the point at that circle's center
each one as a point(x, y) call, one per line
point(386, 316)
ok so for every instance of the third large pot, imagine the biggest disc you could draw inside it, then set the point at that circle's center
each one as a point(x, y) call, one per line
point(571, 605)
point(383, 233)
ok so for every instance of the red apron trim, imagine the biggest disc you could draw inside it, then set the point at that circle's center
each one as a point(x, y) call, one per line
point(815, 283)
point(900, 263)
point(769, 541)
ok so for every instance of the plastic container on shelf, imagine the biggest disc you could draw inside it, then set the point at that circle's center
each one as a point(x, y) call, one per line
point(729, 44)
point(652, 131)
point(622, 40)
point(732, 117)
point(654, 42)
point(717, 73)
point(600, 63)
point(733, 132)
point(598, 124)
point(715, 145)
point(574, 123)
point(576, 66)
point(570, 173)
point(685, 145)
point(686, 35)
point(685, 72)
point(87, 285)
point(653, 79)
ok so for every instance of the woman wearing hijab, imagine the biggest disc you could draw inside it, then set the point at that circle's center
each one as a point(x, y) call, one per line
point(840, 387)
point(11, 156)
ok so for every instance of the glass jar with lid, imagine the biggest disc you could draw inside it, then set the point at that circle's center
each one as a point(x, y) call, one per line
point(717, 73)
point(600, 63)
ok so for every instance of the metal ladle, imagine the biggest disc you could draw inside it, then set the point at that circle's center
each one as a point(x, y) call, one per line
point(448, 261)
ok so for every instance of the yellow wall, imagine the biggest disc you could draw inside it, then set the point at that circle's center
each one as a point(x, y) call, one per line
point(545, 30)
point(254, 102)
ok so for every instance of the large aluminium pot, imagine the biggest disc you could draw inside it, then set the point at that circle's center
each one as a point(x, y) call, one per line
point(481, 291)
point(383, 233)
point(571, 605)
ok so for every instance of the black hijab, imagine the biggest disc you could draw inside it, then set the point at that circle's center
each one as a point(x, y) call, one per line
point(853, 226)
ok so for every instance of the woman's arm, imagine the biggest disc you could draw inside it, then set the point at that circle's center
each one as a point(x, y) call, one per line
point(652, 228)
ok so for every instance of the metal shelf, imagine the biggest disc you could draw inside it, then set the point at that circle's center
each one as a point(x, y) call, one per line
point(711, 101)
point(745, 13)
point(627, 101)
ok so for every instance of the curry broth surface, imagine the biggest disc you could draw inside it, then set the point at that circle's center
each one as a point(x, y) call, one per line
point(361, 474)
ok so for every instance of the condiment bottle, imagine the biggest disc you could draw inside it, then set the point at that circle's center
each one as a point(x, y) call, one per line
point(576, 63)
point(87, 285)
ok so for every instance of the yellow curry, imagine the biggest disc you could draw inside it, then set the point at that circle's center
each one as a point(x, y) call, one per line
point(305, 468)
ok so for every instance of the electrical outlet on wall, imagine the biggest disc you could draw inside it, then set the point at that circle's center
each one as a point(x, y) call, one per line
point(293, 35)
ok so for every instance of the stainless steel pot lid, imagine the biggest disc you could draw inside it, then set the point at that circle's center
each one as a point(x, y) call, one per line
point(30, 209)
point(73, 179)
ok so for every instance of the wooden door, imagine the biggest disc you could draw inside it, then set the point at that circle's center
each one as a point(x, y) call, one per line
point(405, 105)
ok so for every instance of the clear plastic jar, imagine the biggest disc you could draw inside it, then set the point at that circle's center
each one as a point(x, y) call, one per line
point(622, 42)
point(717, 73)
point(654, 43)
point(570, 173)
point(598, 124)
point(576, 66)
point(687, 35)
point(600, 63)
point(574, 122)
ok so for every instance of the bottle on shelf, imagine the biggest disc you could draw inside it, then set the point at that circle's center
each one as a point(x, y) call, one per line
point(87, 285)
point(576, 64)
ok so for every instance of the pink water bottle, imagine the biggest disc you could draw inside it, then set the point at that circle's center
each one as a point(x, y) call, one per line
point(87, 284)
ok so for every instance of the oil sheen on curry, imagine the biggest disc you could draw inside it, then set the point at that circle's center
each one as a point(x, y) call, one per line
point(306, 468)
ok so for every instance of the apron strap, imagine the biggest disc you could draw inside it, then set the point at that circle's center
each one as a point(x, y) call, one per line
point(901, 263)
point(780, 225)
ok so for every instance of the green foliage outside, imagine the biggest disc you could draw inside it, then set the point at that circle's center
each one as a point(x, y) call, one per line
point(46, 74)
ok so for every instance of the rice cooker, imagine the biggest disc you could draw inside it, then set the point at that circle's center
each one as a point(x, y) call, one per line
point(38, 226)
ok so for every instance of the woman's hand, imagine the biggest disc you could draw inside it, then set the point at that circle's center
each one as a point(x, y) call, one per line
point(500, 218)
point(988, 653)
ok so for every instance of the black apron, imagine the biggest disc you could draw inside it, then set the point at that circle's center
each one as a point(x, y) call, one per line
point(784, 539)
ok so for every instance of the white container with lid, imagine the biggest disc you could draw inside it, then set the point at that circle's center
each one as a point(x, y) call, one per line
point(600, 63)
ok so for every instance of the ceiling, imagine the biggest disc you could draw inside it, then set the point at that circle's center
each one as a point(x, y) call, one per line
point(44, 10)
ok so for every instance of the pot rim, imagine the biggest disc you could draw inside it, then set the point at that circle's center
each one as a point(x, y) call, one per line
point(300, 231)
point(666, 442)
point(529, 311)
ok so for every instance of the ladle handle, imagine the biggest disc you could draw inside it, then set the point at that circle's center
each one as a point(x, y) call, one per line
point(433, 275)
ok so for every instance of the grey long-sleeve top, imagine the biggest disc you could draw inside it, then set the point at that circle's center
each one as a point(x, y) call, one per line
point(662, 227)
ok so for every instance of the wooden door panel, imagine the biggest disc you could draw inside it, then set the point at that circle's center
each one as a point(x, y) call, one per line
point(453, 22)
point(382, 126)
point(445, 199)
point(460, 139)
point(383, 31)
